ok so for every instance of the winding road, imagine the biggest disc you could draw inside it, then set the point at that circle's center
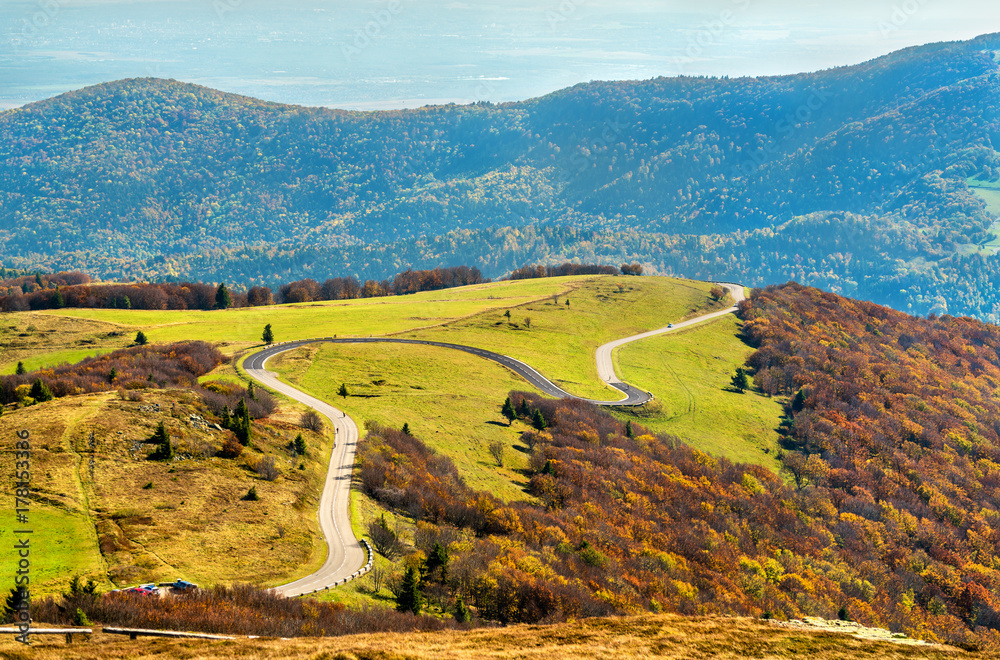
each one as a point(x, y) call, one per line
point(345, 553)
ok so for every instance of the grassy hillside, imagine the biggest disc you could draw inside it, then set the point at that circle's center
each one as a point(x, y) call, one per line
point(101, 510)
point(651, 636)
point(451, 399)
point(48, 338)
point(690, 373)
point(564, 332)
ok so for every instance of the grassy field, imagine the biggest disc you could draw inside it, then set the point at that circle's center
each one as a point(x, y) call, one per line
point(59, 331)
point(191, 522)
point(562, 339)
point(689, 371)
point(102, 510)
point(650, 636)
point(450, 399)
point(989, 192)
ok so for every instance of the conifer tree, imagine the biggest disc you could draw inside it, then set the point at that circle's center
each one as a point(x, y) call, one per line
point(12, 605)
point(140, 338)
point(462, 613)
point(409, 599)
point(223, 300)
point(164, 450)
point(437, 560)
point(40, 392)
point(241, 423)
point(538, 421)
point(740, 381)
point(20, 369)
point(300, 445)
point(268, 335)
point(508, 411)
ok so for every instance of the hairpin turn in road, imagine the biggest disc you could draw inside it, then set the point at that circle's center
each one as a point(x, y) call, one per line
point(345, 554)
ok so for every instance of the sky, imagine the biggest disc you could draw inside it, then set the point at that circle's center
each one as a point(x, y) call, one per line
point(381, 54)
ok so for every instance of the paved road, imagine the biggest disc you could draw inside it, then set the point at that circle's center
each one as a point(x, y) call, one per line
point(605, 364)
point(345, 552)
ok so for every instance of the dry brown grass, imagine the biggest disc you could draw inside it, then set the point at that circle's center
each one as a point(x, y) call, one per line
point(90, 469)
point(651, 636)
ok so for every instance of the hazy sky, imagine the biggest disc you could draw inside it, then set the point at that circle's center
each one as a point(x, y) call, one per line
point(396, 53)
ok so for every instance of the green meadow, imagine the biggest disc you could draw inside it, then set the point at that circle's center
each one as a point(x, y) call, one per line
point(563, 333)
point(690, 372)
point(450, 399)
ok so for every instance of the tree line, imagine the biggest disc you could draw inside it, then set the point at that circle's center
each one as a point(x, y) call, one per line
point(76, 290)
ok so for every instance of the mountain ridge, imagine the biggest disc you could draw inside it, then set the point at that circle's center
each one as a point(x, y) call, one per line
point(145, 178)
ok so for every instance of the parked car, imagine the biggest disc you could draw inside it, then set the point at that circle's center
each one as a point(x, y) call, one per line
point(184, 585)
point(145, 589)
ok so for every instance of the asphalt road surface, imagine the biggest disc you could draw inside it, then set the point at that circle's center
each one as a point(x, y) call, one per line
point(345, 553)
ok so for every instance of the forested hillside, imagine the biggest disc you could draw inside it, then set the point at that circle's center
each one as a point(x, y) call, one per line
point(887, 513)
point(854, 179)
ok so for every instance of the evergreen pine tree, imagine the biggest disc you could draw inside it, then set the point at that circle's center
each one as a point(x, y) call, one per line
point(112, 375)
point(140, 338)
point(252, 390)
point(20, 369)
point(57, 300)
point(629, 433)
point(538, 421)
point(523, 410)
point(241, 423)
point(406, 428)
point(343, 390)
point(508, 411)
point(462, 613)
point(15, 599)
point(126, 303)
point(223, 300)
point(409, 599)
point(164, 450)
point(799, 402)
point(740, 380)
point(437, 560)
point(268, 335)
point(300, 445)
point(40, 392)
point(227, 420)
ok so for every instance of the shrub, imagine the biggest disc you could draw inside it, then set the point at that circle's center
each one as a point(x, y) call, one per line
point(236, 610)
point(267, 469)
point(231, 448)
point(313, 421)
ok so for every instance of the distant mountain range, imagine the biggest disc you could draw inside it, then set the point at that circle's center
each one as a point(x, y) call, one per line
point(855, 179)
